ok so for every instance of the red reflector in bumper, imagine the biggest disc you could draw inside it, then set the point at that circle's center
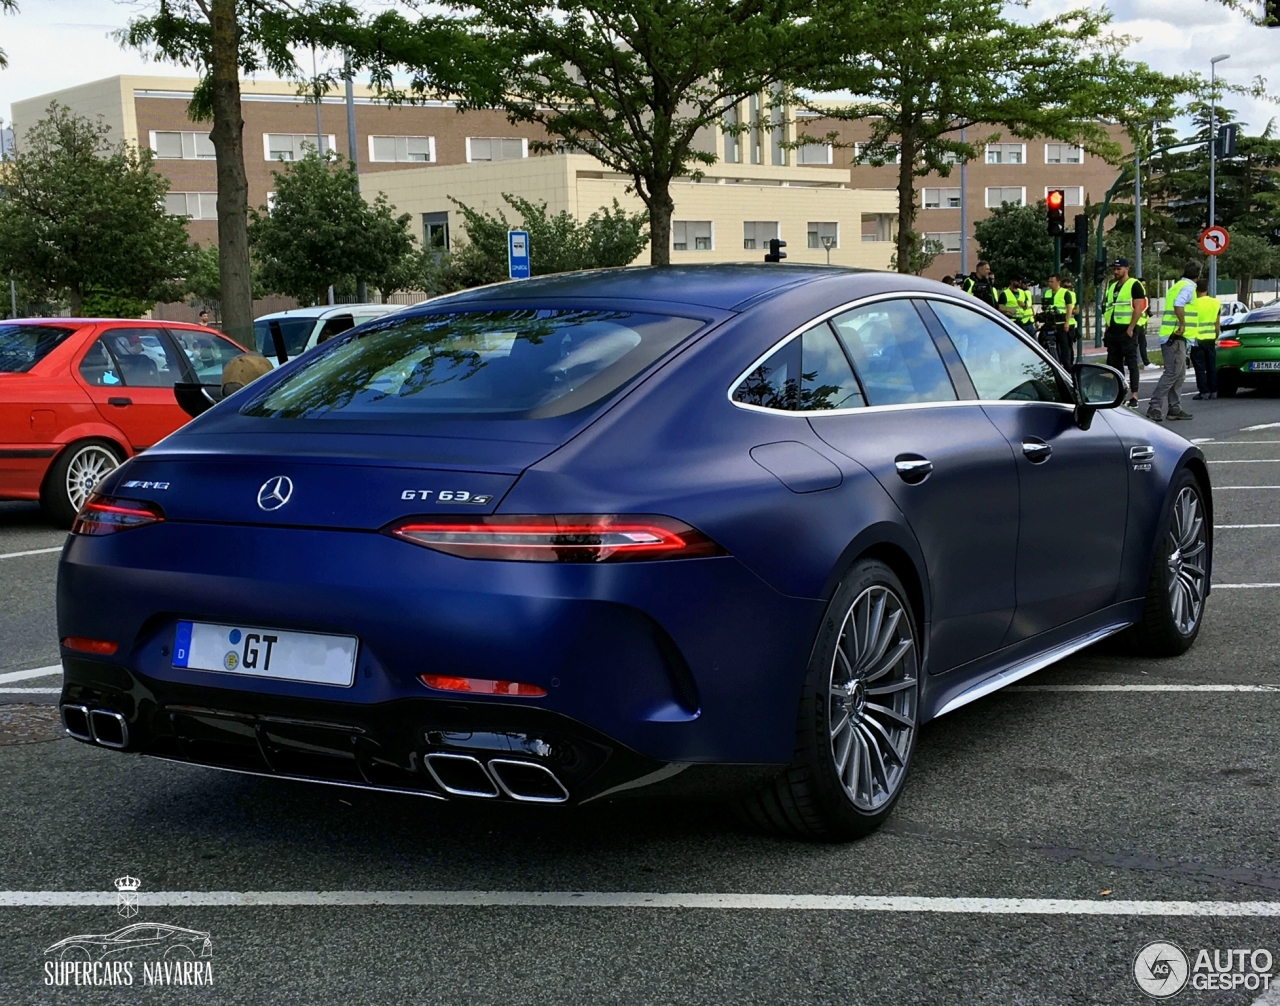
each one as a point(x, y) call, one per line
point(481, 686)
point(558, 538)
point(105, 647)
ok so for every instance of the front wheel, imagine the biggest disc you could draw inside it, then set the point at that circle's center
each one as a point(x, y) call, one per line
point(857, 723)
point(1179, 581)
point(73, 476)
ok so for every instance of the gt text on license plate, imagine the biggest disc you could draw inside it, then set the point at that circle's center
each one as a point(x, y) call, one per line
point(266, 653)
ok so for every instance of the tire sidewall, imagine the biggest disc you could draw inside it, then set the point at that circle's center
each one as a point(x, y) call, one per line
point(815, 744)
point(1160, 565)
point(55, 497)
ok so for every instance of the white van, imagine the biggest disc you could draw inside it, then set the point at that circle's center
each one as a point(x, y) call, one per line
point(306, 327)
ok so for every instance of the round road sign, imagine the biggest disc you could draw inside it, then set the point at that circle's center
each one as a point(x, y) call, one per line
point(1214, 240)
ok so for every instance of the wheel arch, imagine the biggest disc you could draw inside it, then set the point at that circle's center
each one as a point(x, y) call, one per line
point(897, 548)
point(70, 445)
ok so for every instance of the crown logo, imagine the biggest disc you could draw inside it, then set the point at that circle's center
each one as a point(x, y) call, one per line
point(127, 899)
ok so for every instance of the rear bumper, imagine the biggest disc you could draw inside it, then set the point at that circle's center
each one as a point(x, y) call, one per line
point(653, 663)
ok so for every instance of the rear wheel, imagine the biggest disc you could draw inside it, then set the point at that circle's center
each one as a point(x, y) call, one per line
point(1179, 582)
point(857, 722)
point(73, 476)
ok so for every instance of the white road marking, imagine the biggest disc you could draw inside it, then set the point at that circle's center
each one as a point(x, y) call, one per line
point(33, 551)
point(30, 691)
point(1269, 998)
point(1232, 443)
point(1217, 488)
point(1243, 586)
point(1251, 461)
point(1260, 426)
point(1223, 527)
point(642, 899)
point(35, 672)
point(1143, 688)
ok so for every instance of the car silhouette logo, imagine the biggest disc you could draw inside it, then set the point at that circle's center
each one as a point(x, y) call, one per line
point(275, 493)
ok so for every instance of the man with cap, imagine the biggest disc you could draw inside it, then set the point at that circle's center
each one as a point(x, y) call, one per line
point(981, 284)
point(1204, 341)
point(1177, 324)
point(1122, 305)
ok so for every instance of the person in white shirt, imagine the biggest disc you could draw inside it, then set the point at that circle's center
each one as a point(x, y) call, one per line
point(1174, 330)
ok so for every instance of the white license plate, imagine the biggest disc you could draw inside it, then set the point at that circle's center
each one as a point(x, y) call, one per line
point(1265, 365)
point(266, 653)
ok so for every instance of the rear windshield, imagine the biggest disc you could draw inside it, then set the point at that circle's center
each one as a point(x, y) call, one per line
point(296, 332)
point(526, 364)
point(23, 346)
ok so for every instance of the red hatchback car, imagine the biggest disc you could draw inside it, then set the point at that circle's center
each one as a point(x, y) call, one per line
point(78, 396)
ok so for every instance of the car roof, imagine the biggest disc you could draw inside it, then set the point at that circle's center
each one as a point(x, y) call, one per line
point(325, 310)
point(724, 287)
point(1270, 312)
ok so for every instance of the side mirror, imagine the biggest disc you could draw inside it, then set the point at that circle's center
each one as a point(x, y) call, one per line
point(1096, 387)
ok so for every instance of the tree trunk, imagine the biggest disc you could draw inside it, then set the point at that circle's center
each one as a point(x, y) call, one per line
point(661, 206)
point(75, 302)
point(906, 199)
point(227, 137)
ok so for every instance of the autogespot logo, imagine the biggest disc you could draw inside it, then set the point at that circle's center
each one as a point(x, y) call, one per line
point(1160, 969)
point(275, 493)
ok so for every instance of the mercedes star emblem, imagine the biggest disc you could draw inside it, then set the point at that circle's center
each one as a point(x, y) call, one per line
point(275, 492)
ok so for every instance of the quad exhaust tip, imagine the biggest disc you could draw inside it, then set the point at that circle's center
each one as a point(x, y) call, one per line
point(99, 726)
point(523, 781)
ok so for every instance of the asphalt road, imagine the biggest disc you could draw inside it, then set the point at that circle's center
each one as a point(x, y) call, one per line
point(1046, 791)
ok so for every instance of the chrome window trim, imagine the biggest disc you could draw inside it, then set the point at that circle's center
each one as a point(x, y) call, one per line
point(962, 300)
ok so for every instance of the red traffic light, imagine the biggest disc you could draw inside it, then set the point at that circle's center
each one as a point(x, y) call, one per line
point(1055, 199)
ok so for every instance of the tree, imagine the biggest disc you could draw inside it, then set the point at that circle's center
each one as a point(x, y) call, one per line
point(1015, 240)
point(927, 68)
point(634, 83)
point(7, 7)
point(923, 252)
point(1249, 257)
point(320, 232)
point(81, 218)
point(609, 237)
point(220, 38)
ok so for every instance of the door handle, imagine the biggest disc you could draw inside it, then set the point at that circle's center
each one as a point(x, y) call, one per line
point(1036, 451)
point(121, 402)
point(912, 468)
point(1143, 453)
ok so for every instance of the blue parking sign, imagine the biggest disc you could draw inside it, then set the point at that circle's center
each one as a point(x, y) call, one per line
point(518, 255)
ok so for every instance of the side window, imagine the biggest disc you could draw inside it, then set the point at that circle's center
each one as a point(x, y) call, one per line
point(207, 353)
point(808, 374)
point(335, 326)
point(1000, 364)
point(98, 368)
point(893, 354)
point(145, 361)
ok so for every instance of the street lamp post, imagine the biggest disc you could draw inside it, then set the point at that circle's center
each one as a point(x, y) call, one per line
point(1213, 149)
point(828, 242)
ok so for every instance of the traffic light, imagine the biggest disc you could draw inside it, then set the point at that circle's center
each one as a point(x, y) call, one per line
point(1075, 253)
point(1056, 200)
point(775, 251)
point(1226, 141)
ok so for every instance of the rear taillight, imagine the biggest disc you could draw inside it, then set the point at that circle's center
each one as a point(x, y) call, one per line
point(480, 686)
point(560, 538)
point(102, 647)
point(1228, 343)
point(108, 514)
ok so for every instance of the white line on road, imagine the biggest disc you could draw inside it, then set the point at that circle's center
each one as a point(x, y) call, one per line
point(1143, 688)
point(1223, 527)
point(1243, 586)
point(1251, 461)
point(33, 551)
point(1210, 442)
point(1217, 488)
point(35, 672)
point(30, 691)
point(1260, 426)
point(640, 899)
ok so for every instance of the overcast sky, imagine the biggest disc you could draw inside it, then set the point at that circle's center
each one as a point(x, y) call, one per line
point(53, 44)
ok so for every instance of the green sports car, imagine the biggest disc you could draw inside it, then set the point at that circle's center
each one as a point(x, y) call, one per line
point(1249, 352)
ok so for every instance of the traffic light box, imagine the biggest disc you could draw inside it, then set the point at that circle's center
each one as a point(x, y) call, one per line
point(1077, 251)
point(1056, 202)
point(775, 253)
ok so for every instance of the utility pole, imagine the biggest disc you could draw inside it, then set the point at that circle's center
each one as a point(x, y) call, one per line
point(353, 154)
point(964, 218)
point(1213, 145)
point(319, 128)
point(1137, 211)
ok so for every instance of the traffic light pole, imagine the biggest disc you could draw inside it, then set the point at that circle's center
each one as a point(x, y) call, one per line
point(1057, 253)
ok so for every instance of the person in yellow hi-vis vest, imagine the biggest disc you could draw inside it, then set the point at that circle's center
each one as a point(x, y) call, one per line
point(1026, 314)
point(1204, 350)
point(1177, 325)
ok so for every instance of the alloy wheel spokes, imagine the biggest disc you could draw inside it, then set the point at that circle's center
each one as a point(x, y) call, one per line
point(1188, 551)
point(872, 695)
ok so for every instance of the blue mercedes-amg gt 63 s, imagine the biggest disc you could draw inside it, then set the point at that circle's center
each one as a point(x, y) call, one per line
point(552, 540)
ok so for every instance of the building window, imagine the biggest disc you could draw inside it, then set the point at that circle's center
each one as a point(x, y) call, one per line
point(691, 234)
point(813, 153)
point(863, 152)
point(758, 233)
point(828, 230)
point(1063, 153)
point(941, 199)
point(997, 195)
point(435, 231)
point(732, 146)
point(496, 148)
point(394, 149)
point(777, 127)
point(196, 205)
point(950, 240)
point(1072, 195)
point(184, 146)
point(1006, 153)
point(294, 146)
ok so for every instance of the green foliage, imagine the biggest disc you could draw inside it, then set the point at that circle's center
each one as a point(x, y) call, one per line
point(1015, 240)
point(320, 232)
point(561, 243)
point(7, 7)
point(1249, 257)
point(82, 217)
point(631, 82)
point(923, 252)
point(203, 281)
